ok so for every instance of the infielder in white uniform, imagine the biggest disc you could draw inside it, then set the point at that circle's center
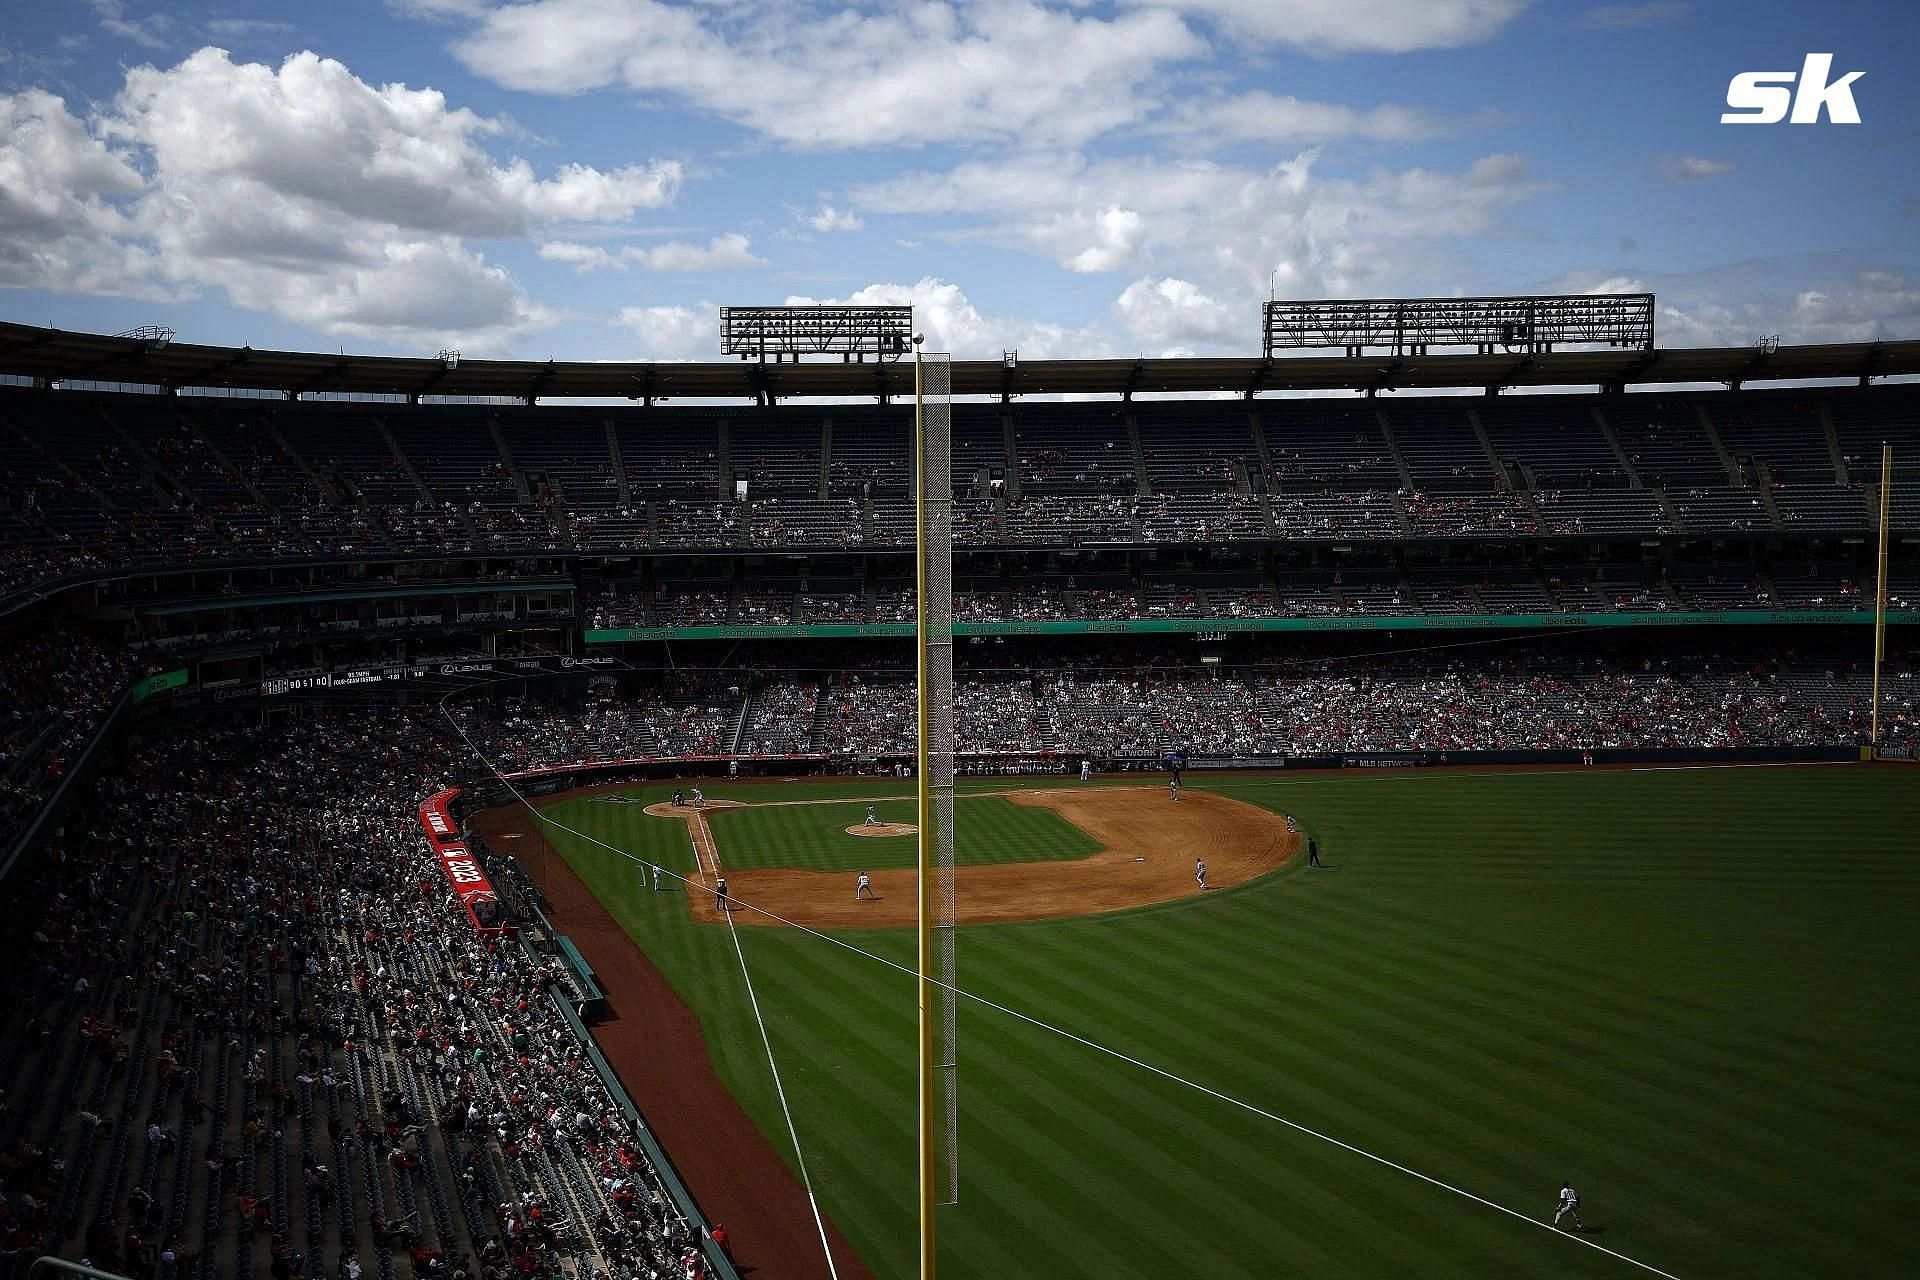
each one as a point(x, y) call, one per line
point(865, 886)
point(656, 877)
point(1200, 871)
point(1086, 771)
point(1569, 1206)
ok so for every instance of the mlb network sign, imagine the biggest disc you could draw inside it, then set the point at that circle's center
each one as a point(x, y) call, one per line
point(1762, 97)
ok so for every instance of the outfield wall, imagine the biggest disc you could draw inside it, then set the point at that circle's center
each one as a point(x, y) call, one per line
point(552, 779)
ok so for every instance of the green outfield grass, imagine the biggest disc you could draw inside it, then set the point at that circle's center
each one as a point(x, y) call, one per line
point(1690, 992)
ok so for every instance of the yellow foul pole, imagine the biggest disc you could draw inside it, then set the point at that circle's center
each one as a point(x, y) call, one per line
point(1880, 594)
point(924, 777)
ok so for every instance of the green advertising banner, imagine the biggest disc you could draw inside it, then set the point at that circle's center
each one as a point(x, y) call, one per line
point(1178, 626)
point(159, 684)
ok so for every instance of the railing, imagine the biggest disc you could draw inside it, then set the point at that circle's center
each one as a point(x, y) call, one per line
point(656, 1154)
point(81, 770)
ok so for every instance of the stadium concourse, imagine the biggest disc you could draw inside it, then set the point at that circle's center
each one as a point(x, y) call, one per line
point(254, 634)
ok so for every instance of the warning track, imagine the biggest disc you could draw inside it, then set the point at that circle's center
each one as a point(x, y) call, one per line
point(1149, 844)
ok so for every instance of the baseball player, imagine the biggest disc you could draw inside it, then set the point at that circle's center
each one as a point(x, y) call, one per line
point(1292, 826)
point(679, 799)
point(1086, 771)
point(873, 819)
point(720, 893)
point(1569, 1206)
point(1199, 868)
point(656, 877)
point(699, 798)
point(1173, 786)
point(865, 886)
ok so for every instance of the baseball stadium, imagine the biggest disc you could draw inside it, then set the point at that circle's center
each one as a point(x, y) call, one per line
point(493, 839)
point(1011, 640)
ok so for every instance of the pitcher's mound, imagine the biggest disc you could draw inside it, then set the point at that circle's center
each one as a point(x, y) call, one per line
point(883, 829)
point(667, 809)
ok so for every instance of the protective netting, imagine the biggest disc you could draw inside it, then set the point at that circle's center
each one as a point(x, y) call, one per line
point(936, 550)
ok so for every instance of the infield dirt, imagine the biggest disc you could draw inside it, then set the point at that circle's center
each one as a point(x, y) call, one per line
point(1149, 846)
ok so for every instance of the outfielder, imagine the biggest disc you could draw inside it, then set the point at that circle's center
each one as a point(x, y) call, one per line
point(865, 886)
point(1569, 1206)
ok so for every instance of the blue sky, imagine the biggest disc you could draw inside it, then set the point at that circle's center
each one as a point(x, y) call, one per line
point(590, 178)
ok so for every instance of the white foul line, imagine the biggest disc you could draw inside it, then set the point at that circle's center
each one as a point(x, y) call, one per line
point(1029, 1019)
point(773, 1066)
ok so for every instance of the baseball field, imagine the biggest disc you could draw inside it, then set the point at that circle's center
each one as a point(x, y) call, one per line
point(1690, 992)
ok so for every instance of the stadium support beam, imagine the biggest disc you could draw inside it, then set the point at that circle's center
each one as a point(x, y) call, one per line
point(1258, 381)
point(1386, 379)
point(1875, 361)
point(427, 384)
point(337, 370)
point(1133, 379)
point(1633, 373)
point(541, 381)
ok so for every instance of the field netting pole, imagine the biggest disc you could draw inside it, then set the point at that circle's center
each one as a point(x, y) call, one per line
point(938, 1054)
point(1880, 596)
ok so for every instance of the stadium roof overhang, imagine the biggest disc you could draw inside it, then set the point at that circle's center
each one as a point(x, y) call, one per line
point(53, 355)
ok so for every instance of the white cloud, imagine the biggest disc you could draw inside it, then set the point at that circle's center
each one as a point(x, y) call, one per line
point(829, 219)
point(825, 75)
point(149, 32)
point(1803, 299)
point(723, 252)
point(299, 190)
point(1356, 26)
point(310, 133)
point(1117, 234)
point(1232, 229)
point(581, 257)
point(1170, 315)
point(674, 333)
point(952, 323)
point(61, 189)
point(1681, 169)
point(1259, 116)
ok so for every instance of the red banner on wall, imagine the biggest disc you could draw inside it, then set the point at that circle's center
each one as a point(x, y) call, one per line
point(470, 883)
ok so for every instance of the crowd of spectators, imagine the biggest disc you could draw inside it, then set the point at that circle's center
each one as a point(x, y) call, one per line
point(54, 691)
point(253, 1033)
point(1412, 703)
point(156, 491)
